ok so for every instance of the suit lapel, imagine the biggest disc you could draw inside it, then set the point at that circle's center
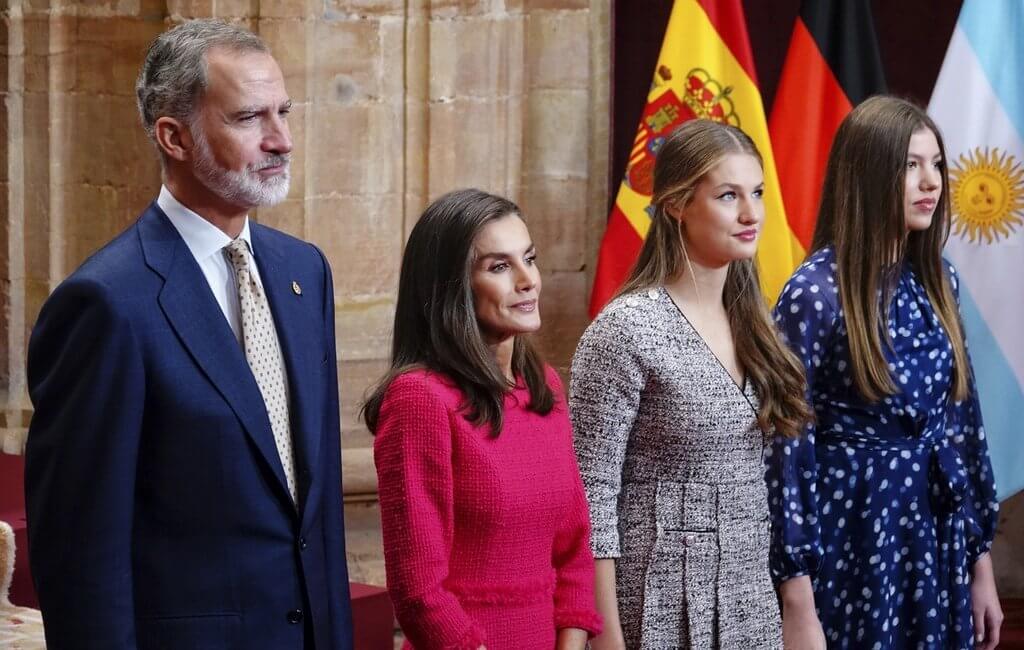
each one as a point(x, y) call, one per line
point(294, 317)
point(195, 316)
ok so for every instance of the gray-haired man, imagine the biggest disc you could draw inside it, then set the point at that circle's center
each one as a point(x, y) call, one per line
point(183, 465)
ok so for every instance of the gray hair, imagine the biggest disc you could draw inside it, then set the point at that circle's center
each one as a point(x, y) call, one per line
point(173, 76)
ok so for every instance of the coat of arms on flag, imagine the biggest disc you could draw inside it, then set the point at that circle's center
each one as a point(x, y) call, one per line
point(703, 98)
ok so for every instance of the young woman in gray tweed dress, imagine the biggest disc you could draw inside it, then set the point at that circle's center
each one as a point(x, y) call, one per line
point(673, 387)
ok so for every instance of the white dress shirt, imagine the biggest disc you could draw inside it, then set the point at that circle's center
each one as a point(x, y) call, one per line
point(206, 242)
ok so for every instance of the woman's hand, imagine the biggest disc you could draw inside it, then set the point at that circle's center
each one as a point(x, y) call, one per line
point(801, 629)
point(988, 615)
point(571, 638)
point(607, 606)
point(610, 639)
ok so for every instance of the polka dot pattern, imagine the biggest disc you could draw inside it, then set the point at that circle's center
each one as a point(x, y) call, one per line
point(886, 505)
point(263, 352)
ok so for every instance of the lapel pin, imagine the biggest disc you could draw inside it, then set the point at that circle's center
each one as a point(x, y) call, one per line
point(296, 289)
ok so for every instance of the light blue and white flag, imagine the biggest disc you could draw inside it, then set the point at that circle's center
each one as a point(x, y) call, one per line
point(978, 103)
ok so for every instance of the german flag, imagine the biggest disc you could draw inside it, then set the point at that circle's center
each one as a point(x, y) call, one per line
point(833, 64)
point(705, 70)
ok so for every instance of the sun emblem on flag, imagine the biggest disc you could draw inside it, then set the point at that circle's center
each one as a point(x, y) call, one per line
point(987, 188)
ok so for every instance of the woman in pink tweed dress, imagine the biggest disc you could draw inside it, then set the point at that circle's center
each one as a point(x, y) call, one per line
point(482, 509)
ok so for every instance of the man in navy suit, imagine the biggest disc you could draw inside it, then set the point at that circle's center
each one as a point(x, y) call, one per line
point(183, 471)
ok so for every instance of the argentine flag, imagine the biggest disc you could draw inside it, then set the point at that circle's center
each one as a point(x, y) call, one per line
point(978, 103)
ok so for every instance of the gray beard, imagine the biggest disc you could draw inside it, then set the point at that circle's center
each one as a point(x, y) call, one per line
point(244, 188)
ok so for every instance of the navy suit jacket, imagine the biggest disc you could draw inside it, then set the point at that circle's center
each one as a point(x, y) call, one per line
point(157, 507)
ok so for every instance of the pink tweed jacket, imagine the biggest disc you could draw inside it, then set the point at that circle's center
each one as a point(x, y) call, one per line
point(485, 538)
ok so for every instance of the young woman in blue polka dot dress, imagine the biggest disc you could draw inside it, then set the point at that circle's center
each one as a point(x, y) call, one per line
point(884, 513)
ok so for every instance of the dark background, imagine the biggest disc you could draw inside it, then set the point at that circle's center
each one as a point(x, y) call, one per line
point(912, 35)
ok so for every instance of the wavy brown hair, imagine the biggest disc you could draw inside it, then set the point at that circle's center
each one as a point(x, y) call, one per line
point(435, 319)
point(683, 161)
point(862, 218)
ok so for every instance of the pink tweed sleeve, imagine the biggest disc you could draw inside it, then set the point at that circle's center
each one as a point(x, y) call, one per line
point(572, 559)
point(412, 452)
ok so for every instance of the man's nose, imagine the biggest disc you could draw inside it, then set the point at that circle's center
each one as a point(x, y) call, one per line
point(278, 138)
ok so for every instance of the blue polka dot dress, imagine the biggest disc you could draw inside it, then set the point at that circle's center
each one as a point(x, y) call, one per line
point(885, 505)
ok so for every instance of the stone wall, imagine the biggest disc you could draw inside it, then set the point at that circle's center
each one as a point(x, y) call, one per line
point(396, 102)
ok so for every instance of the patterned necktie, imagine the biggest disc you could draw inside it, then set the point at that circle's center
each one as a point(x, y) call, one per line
point(263, 352)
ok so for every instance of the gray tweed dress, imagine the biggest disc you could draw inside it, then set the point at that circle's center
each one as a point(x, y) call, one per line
point(671, 458)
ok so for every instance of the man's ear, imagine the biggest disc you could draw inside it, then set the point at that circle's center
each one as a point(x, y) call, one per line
point(174, 138)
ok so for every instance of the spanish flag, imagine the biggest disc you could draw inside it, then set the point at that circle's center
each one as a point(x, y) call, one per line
point(705, 70)
point(833, 64)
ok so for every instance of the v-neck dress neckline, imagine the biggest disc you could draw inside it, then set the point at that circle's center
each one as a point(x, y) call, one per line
point(743, 388)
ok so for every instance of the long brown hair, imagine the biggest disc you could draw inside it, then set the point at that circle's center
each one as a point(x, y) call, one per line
point(862, 218)
point(684, 159)
point(435, 320)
